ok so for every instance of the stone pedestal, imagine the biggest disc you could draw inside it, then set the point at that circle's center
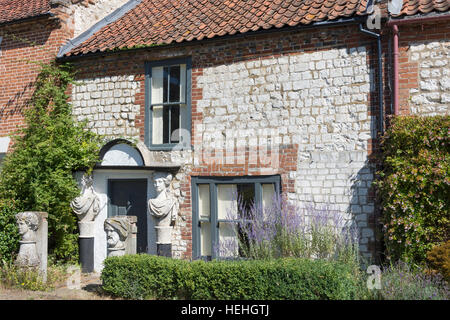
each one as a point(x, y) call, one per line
point(131, 242)
point(86, 206)
point(164, 250)
point(42, 243)
point(86, 246)
point(164, 243)
point(86, 254)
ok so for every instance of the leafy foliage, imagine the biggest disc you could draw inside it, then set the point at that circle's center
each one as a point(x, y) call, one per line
point(9, 236)
point(38, 173)
point(147, 276)
point(413, 186)
point(438, 259)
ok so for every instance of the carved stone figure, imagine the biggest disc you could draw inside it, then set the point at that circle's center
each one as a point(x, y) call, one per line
point(163, 207)
point(87, 205)
point(117, 231)
point(28, 224)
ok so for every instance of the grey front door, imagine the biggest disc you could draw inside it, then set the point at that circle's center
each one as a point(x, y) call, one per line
point(129, 197)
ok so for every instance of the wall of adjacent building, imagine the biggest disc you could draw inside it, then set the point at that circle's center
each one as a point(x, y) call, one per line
point(424, 68)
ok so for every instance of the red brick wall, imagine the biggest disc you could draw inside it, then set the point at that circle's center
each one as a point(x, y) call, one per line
point(23, 45)
point(408, 68)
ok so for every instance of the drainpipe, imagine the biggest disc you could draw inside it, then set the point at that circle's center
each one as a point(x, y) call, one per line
point(396, 81)
point(394, 24)
point(380, 76)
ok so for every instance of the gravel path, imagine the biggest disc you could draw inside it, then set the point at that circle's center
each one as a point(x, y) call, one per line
point(90, 289)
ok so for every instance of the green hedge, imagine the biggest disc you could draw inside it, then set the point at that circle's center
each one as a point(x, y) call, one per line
point(146, 276)
point(413, 186)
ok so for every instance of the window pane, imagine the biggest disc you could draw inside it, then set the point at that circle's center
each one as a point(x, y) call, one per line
point(227, 201)
point(174, 84)
point(183, 83)
point(268, 192)
point(157, 85)
point(166, 121)
point(203, 201)
point(228, 240)
point(157, 125)
point(166, 84)
point(175, 124)
point(246, 192)
point(205, 239)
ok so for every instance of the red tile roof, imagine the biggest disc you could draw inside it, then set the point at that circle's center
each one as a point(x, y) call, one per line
point(412, 7)
point(11, 10)
point(156, 22)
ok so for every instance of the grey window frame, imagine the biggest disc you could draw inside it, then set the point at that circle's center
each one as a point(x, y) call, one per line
point(148, 106)
point(213, 182)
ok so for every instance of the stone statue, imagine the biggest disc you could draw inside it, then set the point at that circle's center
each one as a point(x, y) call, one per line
point(87, 205)
point(28, 224)
point(117, 231)
point(163, 207)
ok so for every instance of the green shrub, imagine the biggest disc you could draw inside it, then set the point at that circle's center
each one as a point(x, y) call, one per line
point(438, 259)
point(147, 276)
point(413, 186)
point(9, 236)
point(37, 174)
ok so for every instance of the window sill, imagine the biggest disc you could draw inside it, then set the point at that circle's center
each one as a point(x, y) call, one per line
point(168, 147)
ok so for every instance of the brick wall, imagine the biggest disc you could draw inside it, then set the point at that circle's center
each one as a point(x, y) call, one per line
point(22, 45)
point(424, 68)
point(307, 92)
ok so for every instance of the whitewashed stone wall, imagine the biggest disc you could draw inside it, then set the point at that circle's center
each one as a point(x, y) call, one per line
point(317, 100)
point(108, 104)
point(432, 97)
point(86, 15)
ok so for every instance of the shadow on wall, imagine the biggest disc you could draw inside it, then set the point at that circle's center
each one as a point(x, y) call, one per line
point(364, 212)
point(22, 46)
point(17, 103)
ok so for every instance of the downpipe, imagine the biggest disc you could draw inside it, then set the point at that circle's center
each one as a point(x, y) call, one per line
point(380, 76)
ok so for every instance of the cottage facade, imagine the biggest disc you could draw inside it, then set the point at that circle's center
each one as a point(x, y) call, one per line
point(252, 98)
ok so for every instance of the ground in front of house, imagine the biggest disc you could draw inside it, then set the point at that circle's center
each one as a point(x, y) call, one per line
point(90, 289)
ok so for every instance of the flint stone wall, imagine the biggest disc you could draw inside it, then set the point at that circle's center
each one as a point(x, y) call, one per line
point(432, 95)
point(318, 101)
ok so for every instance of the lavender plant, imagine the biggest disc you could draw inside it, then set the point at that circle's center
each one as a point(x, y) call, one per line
point(284, 229)
point(401, 282)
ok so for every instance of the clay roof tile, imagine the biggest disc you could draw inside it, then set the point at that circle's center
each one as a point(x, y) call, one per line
point(165, 21)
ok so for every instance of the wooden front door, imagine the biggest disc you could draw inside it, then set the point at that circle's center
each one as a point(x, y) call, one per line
point(129, 198)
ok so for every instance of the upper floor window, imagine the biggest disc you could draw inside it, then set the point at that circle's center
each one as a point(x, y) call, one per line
point(168, 103)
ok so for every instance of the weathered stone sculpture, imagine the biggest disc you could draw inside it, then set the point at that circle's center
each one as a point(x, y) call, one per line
point(86, 207)
point(163, 208)
point(28, 224)
point(33, 228)
point(121, 235)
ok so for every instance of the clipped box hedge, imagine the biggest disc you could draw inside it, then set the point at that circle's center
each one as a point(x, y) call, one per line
point(146, 276)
